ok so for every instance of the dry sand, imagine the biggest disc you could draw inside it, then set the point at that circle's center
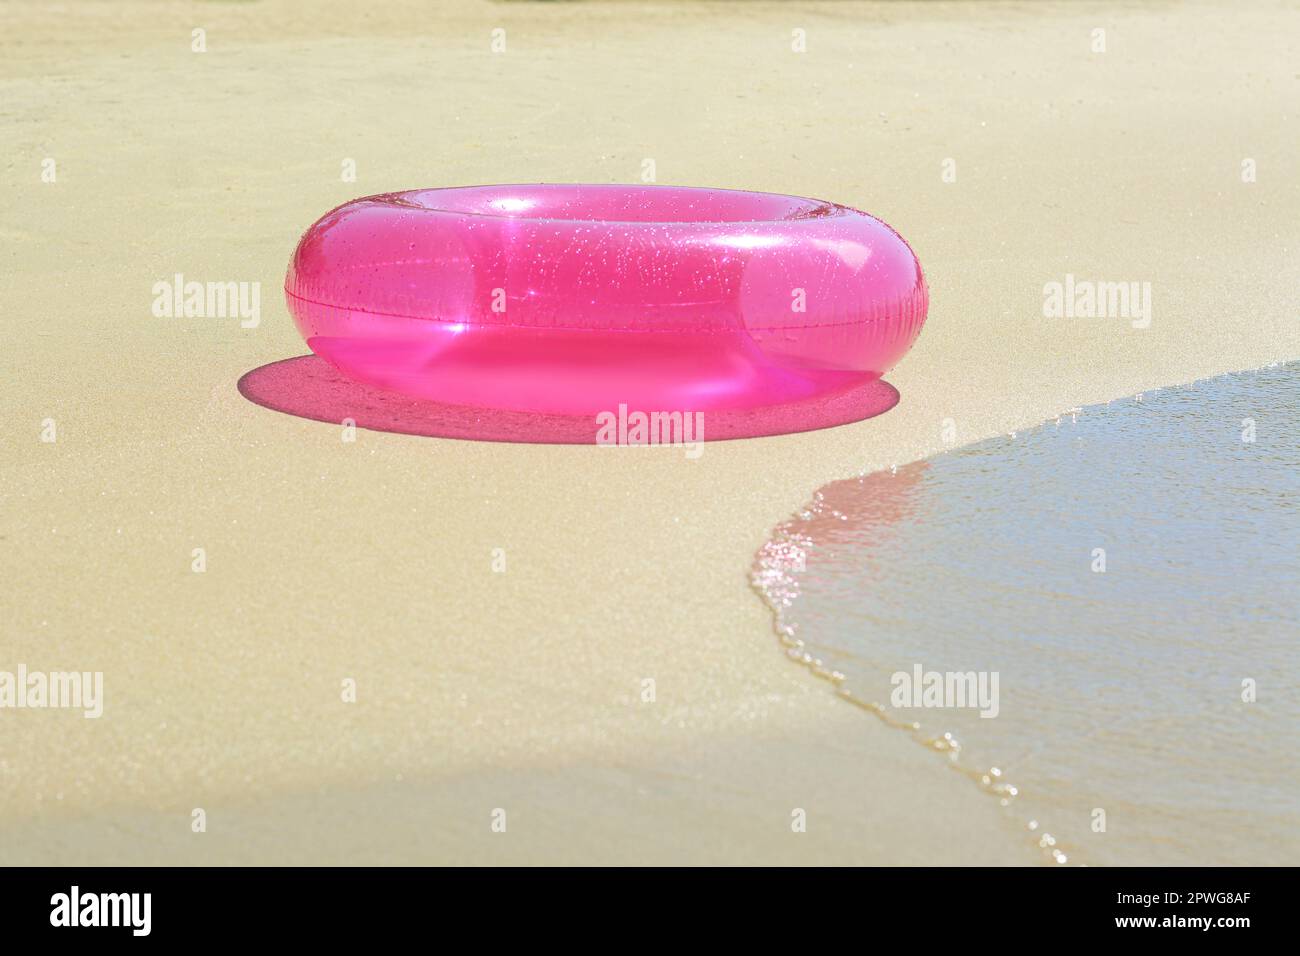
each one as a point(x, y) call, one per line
point(372, 560)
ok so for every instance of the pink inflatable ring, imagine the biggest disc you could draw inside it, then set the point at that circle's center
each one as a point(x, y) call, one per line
point(579, 299)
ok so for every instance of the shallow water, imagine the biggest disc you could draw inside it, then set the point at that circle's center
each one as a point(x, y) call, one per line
point(1123, 677)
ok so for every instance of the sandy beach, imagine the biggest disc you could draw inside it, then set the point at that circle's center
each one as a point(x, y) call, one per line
point(991, 135)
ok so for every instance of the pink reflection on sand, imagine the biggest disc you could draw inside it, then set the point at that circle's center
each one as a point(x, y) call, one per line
point(308, 387)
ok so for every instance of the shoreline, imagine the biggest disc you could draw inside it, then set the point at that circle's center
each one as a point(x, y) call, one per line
point(779, 575)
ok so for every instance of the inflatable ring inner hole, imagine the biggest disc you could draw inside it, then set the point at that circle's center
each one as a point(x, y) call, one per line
point(609, 204)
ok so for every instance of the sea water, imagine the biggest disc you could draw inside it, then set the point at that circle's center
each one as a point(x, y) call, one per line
point(1125, 579)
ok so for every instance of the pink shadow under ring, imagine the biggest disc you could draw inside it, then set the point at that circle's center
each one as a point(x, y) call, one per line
point(570, 301)
point(309, 387)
